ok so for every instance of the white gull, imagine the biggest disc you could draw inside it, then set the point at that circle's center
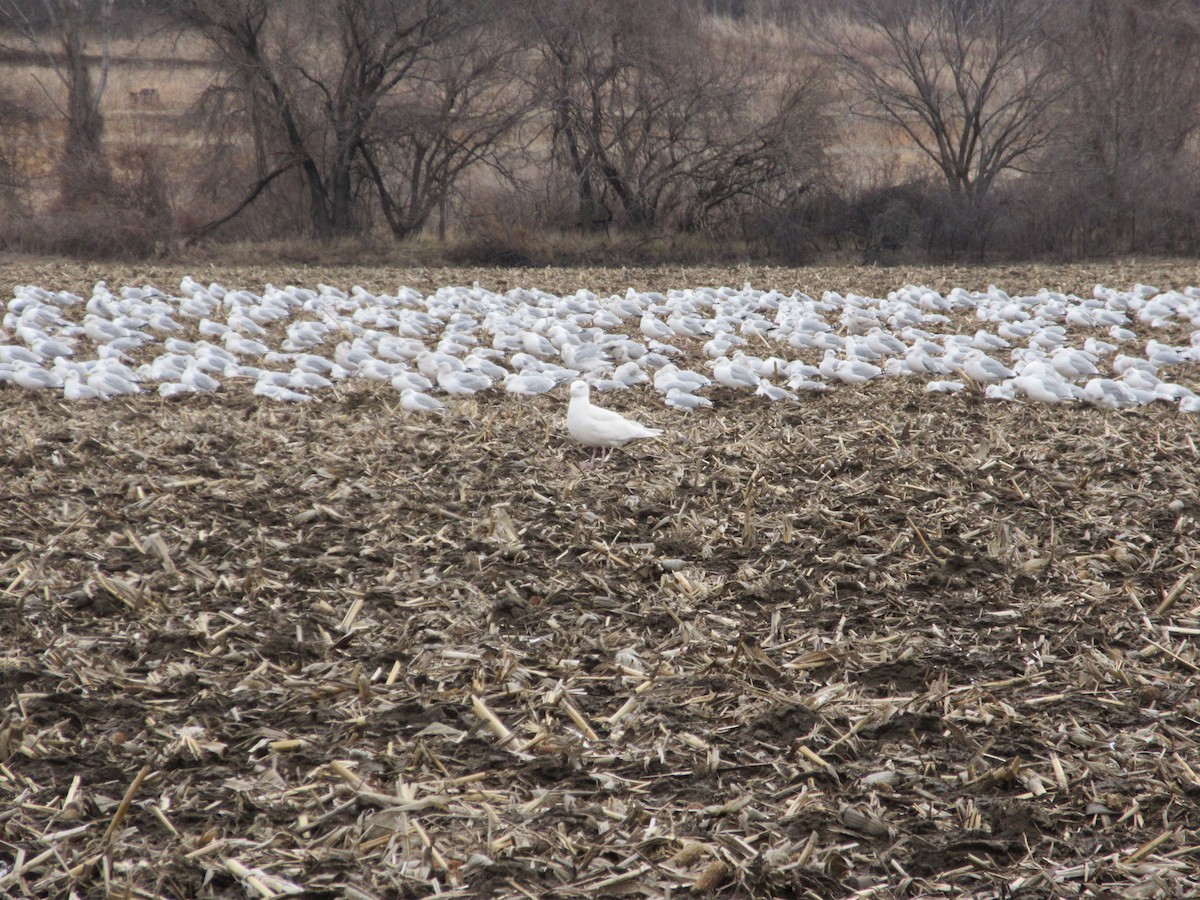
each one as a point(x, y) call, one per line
point(596, 427)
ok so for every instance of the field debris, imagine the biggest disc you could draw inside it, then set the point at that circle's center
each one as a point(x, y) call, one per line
point(873, 643)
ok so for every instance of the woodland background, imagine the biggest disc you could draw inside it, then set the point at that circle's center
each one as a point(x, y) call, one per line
point(600, 131)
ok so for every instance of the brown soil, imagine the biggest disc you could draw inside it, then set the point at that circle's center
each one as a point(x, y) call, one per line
point(872, 281)
point(880, 641)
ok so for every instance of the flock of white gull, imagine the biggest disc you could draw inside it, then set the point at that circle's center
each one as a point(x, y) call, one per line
point(290, 343)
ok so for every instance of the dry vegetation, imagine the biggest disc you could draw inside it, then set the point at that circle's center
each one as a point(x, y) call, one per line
point(877, 130)
point(877, 644)
point(244, 266)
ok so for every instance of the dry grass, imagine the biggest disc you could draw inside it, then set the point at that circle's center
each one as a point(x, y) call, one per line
point(877, 642)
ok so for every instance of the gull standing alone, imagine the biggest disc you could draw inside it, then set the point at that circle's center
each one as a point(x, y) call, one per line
point(596, 427)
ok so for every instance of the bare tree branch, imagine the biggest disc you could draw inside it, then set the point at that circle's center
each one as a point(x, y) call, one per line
point(202, 231)
point(324, 72)
point(655, 112)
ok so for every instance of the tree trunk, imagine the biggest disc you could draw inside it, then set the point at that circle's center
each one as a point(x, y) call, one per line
point(587, 213)
point(342, 220)
point(84, 172)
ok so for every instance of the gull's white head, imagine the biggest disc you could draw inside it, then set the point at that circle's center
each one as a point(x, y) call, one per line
point(579, 389)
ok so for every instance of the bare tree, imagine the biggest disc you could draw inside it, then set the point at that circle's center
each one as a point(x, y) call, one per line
point(452, 113)
point(660, 117)
point(1133, 111)
point(569, 67)
point(970, 84)
point(760, 130)
point(323, 73)
point(60, 36)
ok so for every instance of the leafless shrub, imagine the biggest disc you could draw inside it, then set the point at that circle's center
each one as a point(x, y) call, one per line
point(92, 232)
point(495, 242)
